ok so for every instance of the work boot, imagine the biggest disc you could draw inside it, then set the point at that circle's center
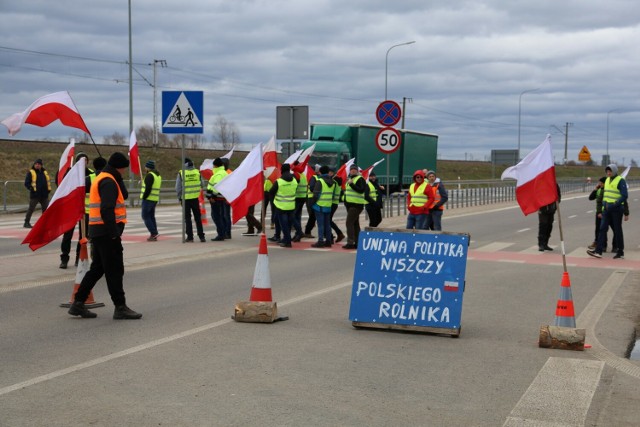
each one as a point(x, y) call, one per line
point(340, 238)
point(124, 312)
point(63, 265)
point(27, 225)
point(78, 309)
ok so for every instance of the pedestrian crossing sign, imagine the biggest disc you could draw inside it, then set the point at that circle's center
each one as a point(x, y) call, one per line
point(182, 112)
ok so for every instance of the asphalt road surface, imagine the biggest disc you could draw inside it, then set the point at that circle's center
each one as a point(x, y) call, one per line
point(186, 363)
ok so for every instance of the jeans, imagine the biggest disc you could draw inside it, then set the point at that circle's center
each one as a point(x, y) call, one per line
point(611, 215)
point(217, 215)
point(353, 222)
point(324, 226)
point(149, 216)
point(287, 219)
point(434, 220)
point(417, 221)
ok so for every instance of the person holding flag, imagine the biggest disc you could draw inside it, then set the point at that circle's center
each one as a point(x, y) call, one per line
point(217, 200)
point(38, 183)
point(107, 219)
point(283, 194)
point(374, 209)
point(321, 203)
point(356, 195)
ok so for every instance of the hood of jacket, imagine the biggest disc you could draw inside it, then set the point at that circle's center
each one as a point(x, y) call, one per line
point(614, 169)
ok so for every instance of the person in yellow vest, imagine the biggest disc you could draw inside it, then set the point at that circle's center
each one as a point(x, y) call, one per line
point(322, 200)
point(38, 183)
point(440, 196)
point(283, 194)
point(65, 245)
point(150, 196)
point(107, 219)
point(374, 209)
point(419, 200)
point(335, 203)
point(356, 195)
point(613, 200)
point(217, 200)
point(192, 187)
point(226, 207)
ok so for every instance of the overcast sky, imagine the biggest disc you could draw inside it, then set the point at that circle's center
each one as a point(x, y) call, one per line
point(465, 74)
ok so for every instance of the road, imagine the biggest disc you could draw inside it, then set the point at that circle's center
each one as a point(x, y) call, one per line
point(187, 363)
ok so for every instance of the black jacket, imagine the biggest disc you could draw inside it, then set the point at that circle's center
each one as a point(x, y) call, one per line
point(108, 191)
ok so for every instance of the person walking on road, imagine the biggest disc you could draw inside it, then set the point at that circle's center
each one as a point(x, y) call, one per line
point(38, 183)
point(283, 194)
point(335, 203)
point(440, 197)
point(192, 187)
point(150, 196)
point(613, 201)
point(107, 219)
point(322, 201)
point(419, 200)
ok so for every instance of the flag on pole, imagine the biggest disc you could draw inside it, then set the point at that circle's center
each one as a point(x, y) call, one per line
point(66, 160)
point(206, 169)
point(305, 157)
point(65, 209)
point(270, 161)
point(344, 171)
point(292, 158)
point(229, 154)
point(44, 111)
point(536, 178)
point(244, 186)
point(367, 171)
point(625, 172)
point(134, 157)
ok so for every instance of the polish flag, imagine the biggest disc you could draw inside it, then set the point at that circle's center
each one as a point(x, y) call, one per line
point(367, 171)
point(292, 158)
point(270, 161)
point(66, 160)
point(206, 169)
point(536, 178)
point(44, 111)
point(134, 157)
point(244, 186)
point(344, 171)
point(229, 154)
point(304, 159)
point(65, 209)
point(625, 172)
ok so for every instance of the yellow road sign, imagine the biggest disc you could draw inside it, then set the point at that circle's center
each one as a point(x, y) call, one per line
point(584, 155)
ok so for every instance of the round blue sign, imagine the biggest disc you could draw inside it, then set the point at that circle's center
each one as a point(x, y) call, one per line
point(388, 113)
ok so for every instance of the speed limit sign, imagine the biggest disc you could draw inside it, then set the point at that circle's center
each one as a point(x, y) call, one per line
point(388, 140)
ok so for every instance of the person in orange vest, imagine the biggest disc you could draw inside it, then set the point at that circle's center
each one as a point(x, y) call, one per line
point(39, 185)
point(107, 219)
point(419, 200)
point(440, 196)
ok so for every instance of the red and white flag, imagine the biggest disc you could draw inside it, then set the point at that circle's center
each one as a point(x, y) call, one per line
point(536, 178)
point(206, 169)
point(270, 161)
point(66, 160)
point(134, 157)
point(343, 172)
point(229, 154)
point(244, 186)
point(44, 111)
point(65, 209)
point(292, 158)
point(367, 171)
point(305, 157)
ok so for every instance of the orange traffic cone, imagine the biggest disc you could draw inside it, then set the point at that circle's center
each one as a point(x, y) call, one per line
point(261, 289)
point(564, 308)
point(83, 267)
point(203, 211)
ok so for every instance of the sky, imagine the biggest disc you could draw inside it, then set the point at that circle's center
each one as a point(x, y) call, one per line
point(482, 75)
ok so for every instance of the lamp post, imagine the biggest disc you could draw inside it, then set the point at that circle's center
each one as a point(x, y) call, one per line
point(609, 112)
point(520, 115)
point(163, 63)
point(386, 65)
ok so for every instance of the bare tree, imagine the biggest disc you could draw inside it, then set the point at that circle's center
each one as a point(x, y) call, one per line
point(225, 132)
point(144, 135)
point(115, 139)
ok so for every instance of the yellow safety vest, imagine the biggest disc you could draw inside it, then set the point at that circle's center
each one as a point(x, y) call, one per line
point(301, 190)
point(33, 179)
point(326, 196)
point(286, 196)
point(418, 198)
point(218, 174)
point(154, 195)
point(373, 193)
point(352, 196)
point(611, 192)
point(192, 184)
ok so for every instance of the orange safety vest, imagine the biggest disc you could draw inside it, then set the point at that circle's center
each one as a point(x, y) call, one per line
point(436, 197)
point(95, 218)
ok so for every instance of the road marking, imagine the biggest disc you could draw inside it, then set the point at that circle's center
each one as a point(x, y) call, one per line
point(154, 343)
point(493, 247)
point(523, 230)
point(572, 216)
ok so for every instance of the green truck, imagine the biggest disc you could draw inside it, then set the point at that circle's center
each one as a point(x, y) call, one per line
point(337, 143)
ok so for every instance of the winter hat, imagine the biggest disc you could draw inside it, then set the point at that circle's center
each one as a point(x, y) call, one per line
point(150, 164)
point(430, 172)
point(419, 172)
point(188, 162)
point(353, 166)
point(217, 162)
point(118, 160)
point(324, 169)
point(285, 168)
point(38, 161)
point(99, 163)
point(80, 155)
point(372, 174)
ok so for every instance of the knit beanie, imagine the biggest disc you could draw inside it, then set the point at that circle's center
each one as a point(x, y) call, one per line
point(81, 155)
point(217, 162)
point(99, 163)
point(118, 160)
point(150, 164)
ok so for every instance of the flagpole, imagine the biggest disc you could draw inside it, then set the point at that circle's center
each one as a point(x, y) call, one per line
point(95, 145)
point(564, 256)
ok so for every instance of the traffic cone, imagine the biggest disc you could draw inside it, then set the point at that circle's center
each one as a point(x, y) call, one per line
point(565, 316)
point(203, 211)
point(83, 267)
point(261, 289)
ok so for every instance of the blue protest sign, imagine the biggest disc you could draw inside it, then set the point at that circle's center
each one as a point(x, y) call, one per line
point(409, 278)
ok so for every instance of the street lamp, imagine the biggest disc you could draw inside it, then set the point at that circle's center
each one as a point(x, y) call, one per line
point(520, 114)
point(386, 65)
point(609, 112)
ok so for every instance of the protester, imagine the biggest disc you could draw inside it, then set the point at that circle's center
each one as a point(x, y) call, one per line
point(226, 207)
point(192, 187)
point(283, 194)
point(253, 225)
point(322, 201)
point(301, 198)
point(107, 219)
point(419, 200)
point(337, 198)
point(374, 209)
point(356, 195)
point(597, 195)
point(440, 196)
point(546, 215)
point(38, 183)
point(217, 200)
point(150, 195)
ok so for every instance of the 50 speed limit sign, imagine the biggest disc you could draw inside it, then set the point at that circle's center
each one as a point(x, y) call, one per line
point(388, 140)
